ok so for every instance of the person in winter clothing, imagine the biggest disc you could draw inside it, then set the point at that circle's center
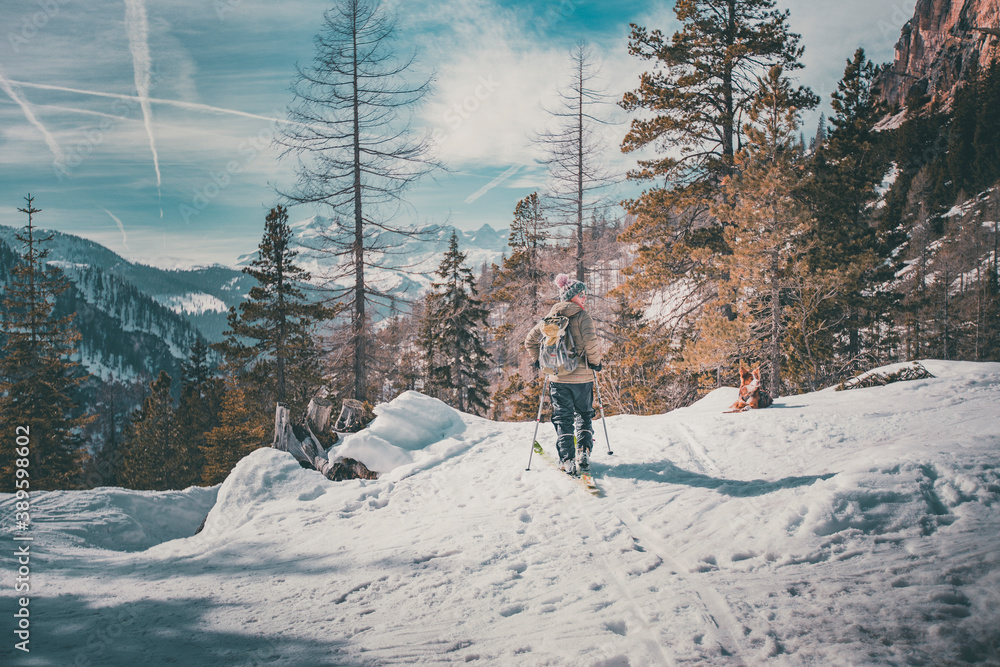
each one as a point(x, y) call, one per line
point(572, 393)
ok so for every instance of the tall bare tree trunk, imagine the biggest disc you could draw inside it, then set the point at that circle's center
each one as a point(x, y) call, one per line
point(282, 337)
point(358, 329)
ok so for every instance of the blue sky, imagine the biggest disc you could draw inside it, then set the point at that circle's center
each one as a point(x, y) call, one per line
point(145, 125)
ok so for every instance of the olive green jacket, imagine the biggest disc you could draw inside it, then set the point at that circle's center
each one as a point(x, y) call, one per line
point(581, 328)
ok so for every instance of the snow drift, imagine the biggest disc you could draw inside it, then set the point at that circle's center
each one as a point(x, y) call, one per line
point(409, 423)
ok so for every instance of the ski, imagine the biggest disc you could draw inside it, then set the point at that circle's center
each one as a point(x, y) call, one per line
point(584, 479)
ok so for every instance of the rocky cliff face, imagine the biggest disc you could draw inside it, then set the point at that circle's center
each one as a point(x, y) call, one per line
point(939, 44)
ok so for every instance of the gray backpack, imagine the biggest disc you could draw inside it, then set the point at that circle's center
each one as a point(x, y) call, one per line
point(557, 353)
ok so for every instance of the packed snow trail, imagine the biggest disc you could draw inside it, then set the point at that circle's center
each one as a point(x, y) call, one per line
point(850, 527)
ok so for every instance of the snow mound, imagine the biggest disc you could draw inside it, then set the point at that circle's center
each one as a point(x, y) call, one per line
point(376, 453)
point(115, 519)
point(268, 485)
point(413, 421)
point(717, 400)
point(260, 484)
point(410, 422)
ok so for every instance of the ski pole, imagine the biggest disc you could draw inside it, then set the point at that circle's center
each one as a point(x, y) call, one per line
point(603, 421)
point(538, 420)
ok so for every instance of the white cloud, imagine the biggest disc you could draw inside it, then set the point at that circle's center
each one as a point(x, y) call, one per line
point(495, 79)
point(832, 32)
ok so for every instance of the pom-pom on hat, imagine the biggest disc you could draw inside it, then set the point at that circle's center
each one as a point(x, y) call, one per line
point(568, 287)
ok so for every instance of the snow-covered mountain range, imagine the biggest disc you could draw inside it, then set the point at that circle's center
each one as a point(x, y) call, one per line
point(833, 528)
point(405, 266)
point(134, 320)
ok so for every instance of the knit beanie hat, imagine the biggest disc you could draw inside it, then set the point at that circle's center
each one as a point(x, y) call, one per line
point(568, 287)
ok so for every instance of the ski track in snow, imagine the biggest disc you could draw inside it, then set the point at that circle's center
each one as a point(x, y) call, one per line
point(834, 528)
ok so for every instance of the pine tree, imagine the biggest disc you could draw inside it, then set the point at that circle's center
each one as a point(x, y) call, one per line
point(765, 228)
point(821, 133)
point(37, 376)
point(197, 412)
point(197, 370)
point(694, 103)
point(986, 169)
point(854, 151)
point(241, 430)
point(846, 172)
point(953, 174)
point(151, 452)
point(514, 289)
point(704, 82)
point(356, 154)
point(270, 334)
point(522, 273)
point(452, 336)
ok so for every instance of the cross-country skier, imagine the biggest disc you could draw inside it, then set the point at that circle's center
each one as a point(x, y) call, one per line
point(572, 393)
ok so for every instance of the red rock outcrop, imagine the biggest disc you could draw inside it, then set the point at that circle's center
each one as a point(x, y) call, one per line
point(939, 44)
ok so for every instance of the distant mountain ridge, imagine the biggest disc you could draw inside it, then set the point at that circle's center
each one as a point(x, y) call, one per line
point(201, 296)
point(134, 320)
point(124, 334)
point(406, 266)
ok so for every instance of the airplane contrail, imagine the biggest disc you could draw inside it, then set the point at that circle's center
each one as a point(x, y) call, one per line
point(137, 27)
point(120, 226)
point(193, 106)
point(492, 184)
point(85, 112)
point(50, 140)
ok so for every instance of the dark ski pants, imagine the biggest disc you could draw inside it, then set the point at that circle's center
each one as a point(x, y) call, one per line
point(572, 412)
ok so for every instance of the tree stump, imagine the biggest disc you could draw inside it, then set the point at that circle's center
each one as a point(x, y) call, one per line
point(285, 438)
point(351, 419)
point(302, 443)
point(318, 422)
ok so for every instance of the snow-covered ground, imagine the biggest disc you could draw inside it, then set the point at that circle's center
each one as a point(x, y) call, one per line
point(192, 303)
point(834, 528)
